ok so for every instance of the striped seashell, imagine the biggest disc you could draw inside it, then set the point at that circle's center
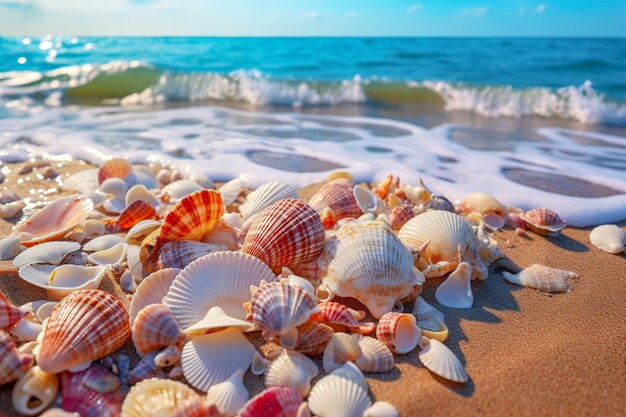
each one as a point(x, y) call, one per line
point(339, 197)
point(66, 213)
point(429, 319)
point(176, 190)
point(85, 326)
point(91, 393)
point(342, 318)
point(9, 314)
point(376, 355)
point(85, 182)
point(142, 175)
point(341, 348)
point(400, 214)
point(542, 278)
point(116, 187)
point(146, 368)
point(102, 243)
point(155, 327)
point(230, 191)
point(609, 238)
point(456, 290)
point(13, 363)
point(481, 203)
point(34, 392)
point(337, 396)
point(275, 402)
point(139, 192)
point(291, 369)
point(45, 253)
point(288, 233)
point(154, 397)
point(439, 359)
point(133, 214)
point(543, 221)
point(313, 338)
point(399, 332)
point(10, 247)
point(266, 195)
point(138, 232)
point(114, 168)
point(152, 290)
point(381, 409)
point(366, 260)
point(137, 269)
point(229, 396)
point(279, 308)
point(181, 253)
point(195, 407)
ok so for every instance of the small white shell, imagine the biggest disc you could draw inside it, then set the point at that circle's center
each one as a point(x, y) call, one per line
point(63, 280)
point(26, 330)
point(140, 192)
point(266, 195)
point(609, 238)
point(138, 232)
point(45, 253)
point(102, 243)
point(456, 290)
point(114, 186)
point(542, 278)
point(10, 247)
point(368, 201)
point(112, 256)
point(335, 396)
point(179, 189)
point(291, 369)
point(440, 360)
point(230, 191)
point(381, 409)
point(229, 396)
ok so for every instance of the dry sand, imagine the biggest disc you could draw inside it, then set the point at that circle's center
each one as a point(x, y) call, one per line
point(527, 353)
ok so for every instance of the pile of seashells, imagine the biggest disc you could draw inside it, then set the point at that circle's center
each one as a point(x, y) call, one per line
point(202, 278)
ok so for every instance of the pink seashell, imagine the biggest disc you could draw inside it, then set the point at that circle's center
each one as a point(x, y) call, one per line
point(287, 233)
point(114, 168)
point(13, 363)
point(543, 221)
point(133, 214)
point(275, 402)
point(181, 253)
point(339, 317)
point(196, 407)
point(400, 214)
point(339, 197)
point(398, 331)
point(193, 217)
point(85, 326)
point(80, 393)
point(155, 327)
point(9, 314)
point(313, 338)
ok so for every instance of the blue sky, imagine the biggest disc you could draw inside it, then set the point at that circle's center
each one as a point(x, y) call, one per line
point(314, 17)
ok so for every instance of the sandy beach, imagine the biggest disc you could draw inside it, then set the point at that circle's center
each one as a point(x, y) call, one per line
point(527, 353)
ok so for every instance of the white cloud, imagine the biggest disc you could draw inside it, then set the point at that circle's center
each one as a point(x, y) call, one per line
point(314, 15)
point(474, 11)
point(352, 14)
point(414, 8)
point(540, 8)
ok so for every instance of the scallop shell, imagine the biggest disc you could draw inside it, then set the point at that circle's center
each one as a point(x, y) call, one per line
point(34, 392)
point(193, 217)
point(84, 326)
point(102, 243)
point(152, 290)
point(336, 396)
point(135, 213)
point(376, 355)
point(266, 195)
point(365, 260)
point(195, 407)
point(399, 332)
point(176, 190)
point(543, 221)
point(287, 233)
point(152, 397)
point(277, 402)
point(381, 409)
point(230, 191)
point(609, 238)
point(136, 268)
point(9, 314)
point(299, 282)
point(229, 396)
point(440, 360)
point(114, 168)
point(443, 232)
point(430, 320)
point(456, 290)
point(291, 369)
point(212, 358)
point(542, 278)
point(116, 187)
point(138, 232)
point(60, 281)
point(341, 348)
point(367, 201)
point(155, 327)
point(339, 197)
point(10, 247)
point(481, 203)
point(313, 338)
point(91, 393)
point(340, 318)
point(13, 363)
point(400, 214)
point(112, 256)
point(181, 253)
point(85, 182)
point(139, 192)
point(142, 175)
point(66, 214)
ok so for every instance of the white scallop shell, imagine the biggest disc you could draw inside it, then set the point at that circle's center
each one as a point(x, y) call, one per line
point(85, 182)
point(102, 243)
point(45, 253)
point(59, 281)
point(112, 256)
point(114, 186)
point(456, 290)
point(351, 372)
point(367, 201)
point(216, 319)
point(381, 409)
point(180, 189)
point(212, 358)
point(114, 205)
point(152, 290)
point(376, 355)
point(221, 279)
point(138, 232)
point(140, 192)
point(134, 263)
point(440, 360)
point(142, 175)
point(609, 238)
point(334, 396)
point(10, 247)
point(542, 278)
point(151, 397)
point(25, 331)
point(266, 195)
point(229, 396)
point(230, 191)
point(291, 369)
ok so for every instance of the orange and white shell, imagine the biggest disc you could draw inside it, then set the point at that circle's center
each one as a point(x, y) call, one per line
point(313, 338)
point(154, 396)
point(340, 318)
point(136, 212)
point(339, 197)
point(85, 326)
point(155, 327)
point(266, 195)
point(114, 168)
point(180, 253)
point(193, 217)
point(398, 331)
point(400, 214)
point(13, 363)
point(543, 221)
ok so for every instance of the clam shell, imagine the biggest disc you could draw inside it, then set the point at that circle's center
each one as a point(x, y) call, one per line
point(367, 201)
point(313, 338)
point(135, 213)
point(34, 392)
point(430, 320)
point(102, 243)
point(114, 168)
point(155, 327)
point(400, 214)
point(287, 233)
point(10, 247)
point(376, 355)
point(66, 213)
point(543, 221)
point(112, 256)
point(542, 278)
point(336, 396)
point(142, 175)
point(139, 231)
point(440, 360)
point(9, 314)
point(117, 187)
point(398, 331)
point(221, 279)
point(139, 192)
point(151, 397)
point(341, 348)
point(152, 290)
point(609, 238)
point(85, 326)
point(25, 331)
point(456, 290)
point(179, 189)
point(60, 281)
point(274, 401)
point(339, 197)
point(212, 358)
point(291, 369)
point(381, 409)
point(46, 253)
point(13, 363)
point(340, 317)
point(229, 396)
point(230, 191)
point(481, 203)
point(266, 195)
point(85, 182)
point(84, 393)
point(181, 253)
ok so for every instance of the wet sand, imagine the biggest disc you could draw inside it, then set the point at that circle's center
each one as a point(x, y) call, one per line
point(527, 353)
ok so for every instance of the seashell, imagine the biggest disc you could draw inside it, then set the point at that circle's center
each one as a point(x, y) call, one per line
point(112, 256)
point(88, 229)
point(439, 234)
point(215, 320)
point(44, 310)
point(277, 402)
point(85, 326)
point(481, 203)
point(114, 168)
point(340, 318)
point(313, 338)
point(114, 205)
point(85, 182)
point(149, 249)
point(66, 213)
point(167, 357)
point(609, 238)
point(212, 358)
point(45, 253)
point(25, 331)
point(430, 320)
point(145, 369)
point(297, 281)
point(116, 187)
point(291, 369)
point(142, 175)
point(34, 392)
point(102, 243)
point(352, 373)
point(13, 363)
point(139, 192)
point(328, 218)
point(155, 327)
point(221, 279)
point(10, 247)
point(341, 348)
point(543, 221)
point(154, 397)
point(376, 355)
point(224, 236)
point(176, 190)
point(381, 409)
point(399, 332)
point(181, 253)
point(338, 196)
point(195, 407)
point(136, 268)
point(60, 281)
point(366, 260)
point(139, 231)
point(279, 308)
point(265, 196)
point(152, 290)
point(440, 360)
point(493, 221)
point(58, 412)
point(416, 194)
point(542, 278)
point(9, 314)
point(367, 201)
point(229, 396)
point(10, 210)
point(336, 396)
point(400, 214)
point(287, 233)
point(230, 191)
point(456, 290)
point(134, 213)
point(163, 176)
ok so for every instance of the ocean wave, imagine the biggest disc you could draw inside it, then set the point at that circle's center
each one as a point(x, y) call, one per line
point(140, 83)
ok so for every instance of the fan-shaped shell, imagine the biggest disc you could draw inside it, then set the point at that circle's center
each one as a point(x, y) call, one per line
point(542, 278)
point(84, 326)
point(46, 253)
point(543, 221)
point(230, 191)
point(34, 392)
point(313, 338)
point(287, 233)
point(266, 195)
point(9, 314)
point(400, 214)
point(341, 348)
point(440, 360)
point(114, 168)
point(10, 247)
point(180, 253)
point(274, 401)
point(339, 197)
point(335, 396)
point(376, 355)
point(155, 327)
point(229, 396)
point(291, 369)
point(176, 190)
point(102, 243)
point(138, 232)
point(340, 318)
point(152, 290)
point(134, 213)
point(13, 363)
point(151, 397)
point(398, 331)
point(193, 217)
point(609, 238)
point(91, 393)
point(85, 182)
